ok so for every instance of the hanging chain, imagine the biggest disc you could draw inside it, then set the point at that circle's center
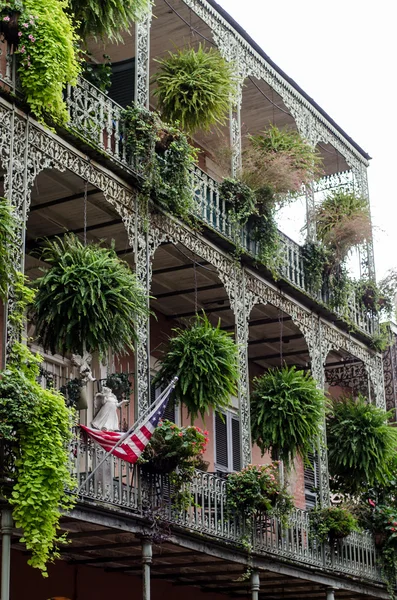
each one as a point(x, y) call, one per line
point(85, 211)
point(281, 322)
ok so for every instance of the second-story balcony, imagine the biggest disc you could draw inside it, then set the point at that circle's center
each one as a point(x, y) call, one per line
point(97, 124)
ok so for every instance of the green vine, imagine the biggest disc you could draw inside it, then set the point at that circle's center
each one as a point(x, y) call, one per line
point(163, 154)
point(46, 51)
point(7, 243)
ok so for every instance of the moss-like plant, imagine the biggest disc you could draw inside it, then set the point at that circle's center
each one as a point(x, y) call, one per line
point(361, 444)
point(280, 159)
point(343, 222)
point(7, 241)
point(106, 19)
point(332, 524)
point(88, 300)
point(194, 88)
point(287, 410)
point(47, 54)
point(164, 156)
point(205, 360)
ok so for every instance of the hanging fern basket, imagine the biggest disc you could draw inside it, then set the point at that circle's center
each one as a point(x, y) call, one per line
point(205, 360)
point(88, 299)
point(194, 88)
point(287, 410)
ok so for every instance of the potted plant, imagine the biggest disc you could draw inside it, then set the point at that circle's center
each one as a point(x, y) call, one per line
point(106, 19)
point(343, 222)
point(287, 410)
point(120, 385)
point(87, 300)
point(194, 88)
point(205, 360)
point(174, 447)
point(257, 489)
point(332, 524)
point(361, 444)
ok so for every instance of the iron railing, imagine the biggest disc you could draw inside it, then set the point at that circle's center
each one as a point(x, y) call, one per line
point(97, 119)
point(130, 489)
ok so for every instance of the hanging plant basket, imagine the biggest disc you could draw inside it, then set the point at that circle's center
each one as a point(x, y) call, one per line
point(286, 413)
point(9, 28)
point(194, 88)
point(205, 360)
point(88, 300)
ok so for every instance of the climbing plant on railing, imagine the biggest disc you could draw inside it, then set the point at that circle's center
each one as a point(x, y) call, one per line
point(164, 156)
point(46, 51)
point(7, 241)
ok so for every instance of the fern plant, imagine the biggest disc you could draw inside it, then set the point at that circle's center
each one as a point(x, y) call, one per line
point(194, 88)
point(343, 222)
point(205, 360)
point(361, 444)
point(106, 19)
point(87, 300)
point(287, 410)
point(7, 241)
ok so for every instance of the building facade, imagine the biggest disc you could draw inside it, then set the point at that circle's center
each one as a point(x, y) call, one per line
point(125, 535)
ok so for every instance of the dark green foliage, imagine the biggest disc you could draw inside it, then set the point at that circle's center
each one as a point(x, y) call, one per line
point(287, 410)
point(205, 360)
point(194, 88)
point(72, 391)
point(88, 299)
point(361, 444)
point(106, 19)
point(257, 489)
point(263, 229)
point(120, 385)
point(239, 199)
point(98, 74)
point(164, 156)
point(7, 242)
point(331, 524)
point(315, 259)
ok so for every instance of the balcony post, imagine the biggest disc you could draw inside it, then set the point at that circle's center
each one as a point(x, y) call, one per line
point(142, 59)
point(330, 594)
point(6, 530)
point(146, 562)
point(311, 233)
point(235, 131)
point(255, 585)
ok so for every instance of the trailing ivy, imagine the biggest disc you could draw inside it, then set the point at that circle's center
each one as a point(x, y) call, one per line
point(87, 300)
point(287, 410)
point(7, 243)
point(239, 199)
point(46, 52)
point(205, 360)
point(194, 88)
point(315, 259)
point(164, 156)
point(361, 444)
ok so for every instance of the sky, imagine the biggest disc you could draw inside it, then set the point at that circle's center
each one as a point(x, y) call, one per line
point(344, 55)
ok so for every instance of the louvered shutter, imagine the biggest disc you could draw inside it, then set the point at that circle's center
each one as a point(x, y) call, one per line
point(311, 477)
point(123, 82)
point(236, 454)
point(221, 445)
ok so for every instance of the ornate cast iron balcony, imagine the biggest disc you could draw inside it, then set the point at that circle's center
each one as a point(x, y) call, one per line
point(130, 490)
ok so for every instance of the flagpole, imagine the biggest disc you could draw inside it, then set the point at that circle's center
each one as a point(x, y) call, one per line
point(165, 392)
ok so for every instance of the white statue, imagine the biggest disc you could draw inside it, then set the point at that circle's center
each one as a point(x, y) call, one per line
point(84, 364)
point(107, 404)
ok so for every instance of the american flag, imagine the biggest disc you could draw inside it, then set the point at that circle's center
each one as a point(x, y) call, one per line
point(131, 444)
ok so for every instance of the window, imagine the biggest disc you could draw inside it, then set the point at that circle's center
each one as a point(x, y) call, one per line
point(227, 443)
point(312, 477)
